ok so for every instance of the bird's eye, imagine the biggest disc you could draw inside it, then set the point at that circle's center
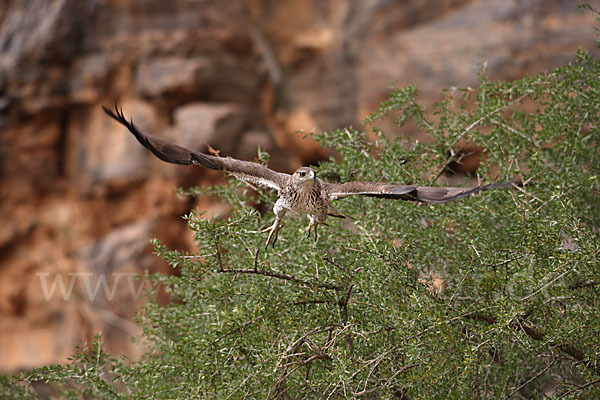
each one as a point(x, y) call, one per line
point(302, 174)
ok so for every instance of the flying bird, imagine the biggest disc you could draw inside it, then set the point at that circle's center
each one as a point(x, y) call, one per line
point(303, 191)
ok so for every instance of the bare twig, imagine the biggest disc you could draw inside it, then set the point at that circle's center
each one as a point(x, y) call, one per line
point(545, 286)
point(581, 284)
point(279, 275)
point(299, 364)
point(450, 160)
point(335, 264)
point(272, 274)
point(457, 290)
point(585, 116)
point(305, 302)
point(256, 259)
point(218, 250)
point(535, 334)
point(467, 130)
point(356, 146)
point(533, 378)
point(580, 388)
point(478, 121)
point(395, 374)
point(516, 132)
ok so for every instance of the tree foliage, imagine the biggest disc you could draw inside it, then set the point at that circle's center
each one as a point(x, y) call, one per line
point(493, 296)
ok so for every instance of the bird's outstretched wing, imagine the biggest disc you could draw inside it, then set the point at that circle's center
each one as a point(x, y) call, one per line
point(172, 153)
point(426, 194)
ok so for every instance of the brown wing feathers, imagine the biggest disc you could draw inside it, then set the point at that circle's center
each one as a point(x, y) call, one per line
point(425, 194)
point(371, 189)
point(446, 194)
point(164, 150)
point(173, 153)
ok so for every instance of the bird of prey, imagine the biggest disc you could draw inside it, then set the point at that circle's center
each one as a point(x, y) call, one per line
point(302, 191)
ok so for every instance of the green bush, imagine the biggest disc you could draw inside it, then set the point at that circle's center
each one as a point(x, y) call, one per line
point(491, 296)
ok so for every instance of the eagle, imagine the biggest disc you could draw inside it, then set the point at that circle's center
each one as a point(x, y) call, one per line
point(302, 192)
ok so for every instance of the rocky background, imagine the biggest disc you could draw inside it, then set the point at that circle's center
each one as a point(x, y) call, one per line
point(79, 198)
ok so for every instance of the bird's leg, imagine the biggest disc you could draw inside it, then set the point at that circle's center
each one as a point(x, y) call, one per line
point(310, 225)
point(276, 227)
point(313, 223)
point(273, 232)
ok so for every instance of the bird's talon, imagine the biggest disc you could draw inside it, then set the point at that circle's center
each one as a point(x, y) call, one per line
point(273, 233)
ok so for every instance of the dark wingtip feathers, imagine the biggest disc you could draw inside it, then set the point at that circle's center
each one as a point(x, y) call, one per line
point(118, 115)
point(163, 150)
point(422, 194)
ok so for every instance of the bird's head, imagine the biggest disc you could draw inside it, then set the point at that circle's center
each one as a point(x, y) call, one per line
point(304, 177)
